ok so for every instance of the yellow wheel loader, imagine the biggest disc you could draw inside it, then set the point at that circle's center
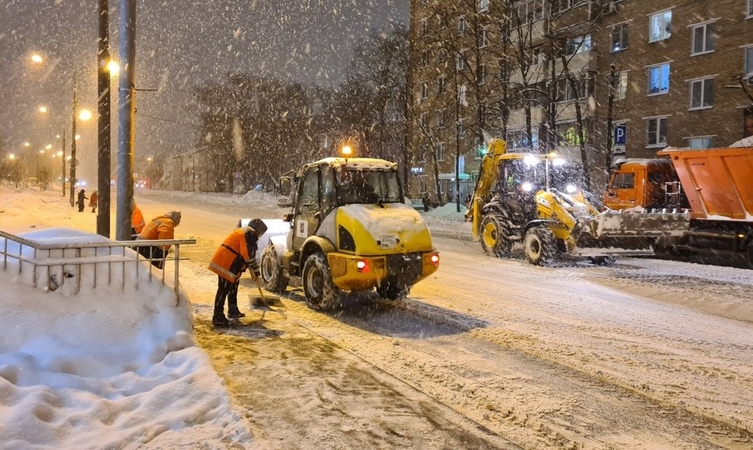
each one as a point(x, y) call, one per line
point(532, 201)
point(350, 230)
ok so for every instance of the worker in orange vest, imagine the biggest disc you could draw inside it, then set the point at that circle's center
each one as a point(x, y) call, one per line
point(162, 227)
point(137, 220)
point(236, 254)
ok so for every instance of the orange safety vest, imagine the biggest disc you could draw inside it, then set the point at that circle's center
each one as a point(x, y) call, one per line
point(137, 220)
point(232, 258)
point(161, 227)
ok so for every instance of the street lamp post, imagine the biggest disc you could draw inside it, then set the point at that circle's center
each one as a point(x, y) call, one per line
point(72, 169)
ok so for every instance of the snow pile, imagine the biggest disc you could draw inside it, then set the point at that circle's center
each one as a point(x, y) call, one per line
point(104, 368)
point(746, 142)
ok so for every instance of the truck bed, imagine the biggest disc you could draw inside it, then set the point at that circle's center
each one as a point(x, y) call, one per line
point(717, 182)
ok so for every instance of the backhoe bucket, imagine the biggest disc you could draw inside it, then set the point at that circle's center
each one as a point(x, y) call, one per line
point(616, 224)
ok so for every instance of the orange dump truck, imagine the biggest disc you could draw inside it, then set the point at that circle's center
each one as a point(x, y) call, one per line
point(715, 185)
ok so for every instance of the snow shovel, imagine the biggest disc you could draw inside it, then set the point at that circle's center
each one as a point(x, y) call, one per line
point(263, 302)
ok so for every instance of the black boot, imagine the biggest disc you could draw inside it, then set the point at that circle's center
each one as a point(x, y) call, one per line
point(220, 322)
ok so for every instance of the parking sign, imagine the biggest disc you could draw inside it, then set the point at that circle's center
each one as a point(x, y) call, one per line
point(620, 134)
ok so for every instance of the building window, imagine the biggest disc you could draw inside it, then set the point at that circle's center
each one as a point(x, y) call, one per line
point(460, 63)
point(424, 91)
point(749, 8)
point(440, 151)
point(483, 6)
point(701, 142)
point(424, 27)
point(656, 132)
point(461, 25)
point(481, 75)
point(423, 122)
point(442, 20)
point(440, 118)
point(483, 38)
point(622, 84)
point(424, 58)
point(578, 44)
point(565, 92)
point(440, 84)
point(563, 5)
point(703, 38)
point(529, 11)
point(702, 93)
point(620, 37)
point(658, 79)
point(748, 61)
point(442, 55)
point(660, 26)
point(462, 99)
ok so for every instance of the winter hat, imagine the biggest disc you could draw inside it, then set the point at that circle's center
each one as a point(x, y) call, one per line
point(259, 226)
point(174, 216)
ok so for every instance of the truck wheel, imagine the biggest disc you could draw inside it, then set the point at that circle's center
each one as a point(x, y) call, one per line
point(540, 246)
point(495, 237)
point(271, 271)
point(318, 287)
point(391, 291)
point(749, 257)
point(602, 260)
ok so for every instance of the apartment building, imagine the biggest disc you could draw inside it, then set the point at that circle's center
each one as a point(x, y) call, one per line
point(538, 74)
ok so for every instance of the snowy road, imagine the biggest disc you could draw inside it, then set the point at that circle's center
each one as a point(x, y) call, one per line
point(489, 353)
point(493, 353)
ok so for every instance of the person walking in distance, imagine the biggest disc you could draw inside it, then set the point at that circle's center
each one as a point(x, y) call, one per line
point(236, 254)
point(161, 227)
point(81, 201)
point(93, 201)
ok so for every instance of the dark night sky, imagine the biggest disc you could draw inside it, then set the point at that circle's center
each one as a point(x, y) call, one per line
point(179, 43)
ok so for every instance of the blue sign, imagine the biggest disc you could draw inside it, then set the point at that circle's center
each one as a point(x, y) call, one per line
point(620, 134)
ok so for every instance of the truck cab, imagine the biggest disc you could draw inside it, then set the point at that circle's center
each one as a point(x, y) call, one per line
point(639, 183)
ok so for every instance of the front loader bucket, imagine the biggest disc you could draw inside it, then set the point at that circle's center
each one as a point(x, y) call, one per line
point(617, 224)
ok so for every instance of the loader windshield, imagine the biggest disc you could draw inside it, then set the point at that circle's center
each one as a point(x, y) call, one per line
point(368, 186)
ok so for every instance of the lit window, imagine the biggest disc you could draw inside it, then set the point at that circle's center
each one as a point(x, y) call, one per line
point(702, 93)
point(622, 84)
point(703, 39)
point(619, 37)
point(656, 132)
point(660, 26)
point(578, 44)
point(658, 79)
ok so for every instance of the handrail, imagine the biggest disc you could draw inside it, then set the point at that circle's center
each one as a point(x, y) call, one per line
point(76, 255)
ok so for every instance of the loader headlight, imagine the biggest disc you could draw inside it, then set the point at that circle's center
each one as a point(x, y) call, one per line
point(527, 186)
point(570, 189)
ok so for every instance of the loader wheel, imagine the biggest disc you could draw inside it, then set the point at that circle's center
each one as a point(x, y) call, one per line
point(495, 237)
point(318, 287)
point(392, 291)
point(271, 271)
point(540, 246)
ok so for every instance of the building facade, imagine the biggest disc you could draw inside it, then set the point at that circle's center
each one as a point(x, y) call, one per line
point(593, 81)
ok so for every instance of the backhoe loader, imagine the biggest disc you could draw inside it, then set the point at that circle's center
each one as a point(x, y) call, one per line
point(532, 200)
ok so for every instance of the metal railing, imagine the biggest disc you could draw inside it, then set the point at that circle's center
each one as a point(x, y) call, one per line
point(55, 263)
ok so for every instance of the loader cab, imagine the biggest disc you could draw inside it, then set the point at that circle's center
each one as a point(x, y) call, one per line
point(639, 183)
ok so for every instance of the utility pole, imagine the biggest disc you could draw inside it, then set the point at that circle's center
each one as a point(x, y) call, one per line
point(73, 141)
point(126, 116)
point(103, 121)
point(62, 173)
point(610, 106)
